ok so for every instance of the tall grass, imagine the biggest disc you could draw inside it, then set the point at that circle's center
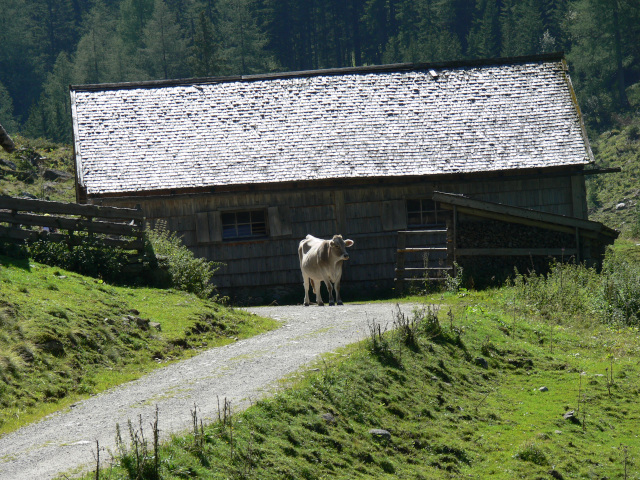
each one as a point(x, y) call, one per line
point(611, 295)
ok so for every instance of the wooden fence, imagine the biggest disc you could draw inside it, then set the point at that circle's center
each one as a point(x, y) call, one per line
point(24, 219)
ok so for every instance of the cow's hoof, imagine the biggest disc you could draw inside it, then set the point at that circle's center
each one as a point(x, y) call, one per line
point(321, 304)
point(306, 304)
point(339, 303)
point(331, 304)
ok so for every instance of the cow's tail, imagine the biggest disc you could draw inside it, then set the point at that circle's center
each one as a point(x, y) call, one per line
point(313, 285)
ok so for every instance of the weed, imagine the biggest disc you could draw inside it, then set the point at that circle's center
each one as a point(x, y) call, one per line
point(137, 459)
point(186, 271)
point(532, 452)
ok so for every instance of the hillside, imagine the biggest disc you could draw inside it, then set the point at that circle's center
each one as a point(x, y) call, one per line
point(613, 198)
point(64, 336)
point(38, 169)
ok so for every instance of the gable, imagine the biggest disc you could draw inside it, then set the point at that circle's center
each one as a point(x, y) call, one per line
point(399, 121)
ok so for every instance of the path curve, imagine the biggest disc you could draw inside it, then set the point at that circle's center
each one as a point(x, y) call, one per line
point(241, 372)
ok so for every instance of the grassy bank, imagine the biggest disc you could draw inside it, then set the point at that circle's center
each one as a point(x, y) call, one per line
point(480, 390)
point(64, 336)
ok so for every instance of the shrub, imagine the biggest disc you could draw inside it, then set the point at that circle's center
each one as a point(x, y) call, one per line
point(612, 296)
point(619, 291)
point(186, 272)
point(89, 257)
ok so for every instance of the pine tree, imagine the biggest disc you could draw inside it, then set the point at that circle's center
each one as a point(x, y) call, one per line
point(483, 41)
point(134, 15)
point(605, 38)
point(205, 60)
point(7, 120)
point(53, 27)
point(244, 45)
point(51, 116)
point(164, 54)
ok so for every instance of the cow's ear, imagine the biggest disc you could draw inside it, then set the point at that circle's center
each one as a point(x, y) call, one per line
point(332, 243)
point(348, 242)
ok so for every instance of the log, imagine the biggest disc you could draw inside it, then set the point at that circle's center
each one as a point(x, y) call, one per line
point(6, 141)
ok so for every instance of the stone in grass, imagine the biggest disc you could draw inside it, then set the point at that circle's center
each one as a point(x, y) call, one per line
point(543, 389)
point(329, 418)
point(380, 433)
point(571, 416)
point(482, 362)
point(556, 474)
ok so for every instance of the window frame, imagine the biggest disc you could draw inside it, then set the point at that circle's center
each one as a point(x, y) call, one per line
point(258, 228)
point(427, 207)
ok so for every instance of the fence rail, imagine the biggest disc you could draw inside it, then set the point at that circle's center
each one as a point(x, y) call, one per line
point(26, 219)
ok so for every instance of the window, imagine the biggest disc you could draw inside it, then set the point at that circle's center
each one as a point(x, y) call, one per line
point(243, 225)
point(421, 213)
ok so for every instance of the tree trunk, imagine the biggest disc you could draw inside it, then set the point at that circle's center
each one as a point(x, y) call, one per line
point(5, 140)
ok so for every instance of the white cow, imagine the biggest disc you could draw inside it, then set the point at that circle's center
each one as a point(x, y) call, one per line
point(321, 261)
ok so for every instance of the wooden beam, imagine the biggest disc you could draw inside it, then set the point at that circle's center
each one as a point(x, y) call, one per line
point(497, 211)
point(73, 224)
point(42, 206)
point(517, 252)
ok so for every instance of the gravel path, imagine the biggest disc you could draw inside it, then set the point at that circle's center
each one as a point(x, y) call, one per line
point(241, 372)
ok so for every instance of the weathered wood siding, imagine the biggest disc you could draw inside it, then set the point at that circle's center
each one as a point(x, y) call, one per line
point(371, 216)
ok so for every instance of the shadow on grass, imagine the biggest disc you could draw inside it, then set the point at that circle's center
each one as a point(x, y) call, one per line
point(15, 261)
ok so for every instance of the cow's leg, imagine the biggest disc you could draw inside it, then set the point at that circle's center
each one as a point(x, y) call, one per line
point(338, 299)
point(318, 292)
point(329, 284)
point(305, 282)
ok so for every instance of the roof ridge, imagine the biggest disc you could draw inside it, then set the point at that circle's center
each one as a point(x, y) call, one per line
point(388, 68)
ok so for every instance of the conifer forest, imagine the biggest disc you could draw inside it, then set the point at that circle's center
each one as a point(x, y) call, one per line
point(46, 45)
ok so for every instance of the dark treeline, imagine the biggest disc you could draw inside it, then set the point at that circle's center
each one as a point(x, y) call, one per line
point(45, 45)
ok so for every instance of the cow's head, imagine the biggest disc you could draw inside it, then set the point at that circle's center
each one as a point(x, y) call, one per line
point(339, 247)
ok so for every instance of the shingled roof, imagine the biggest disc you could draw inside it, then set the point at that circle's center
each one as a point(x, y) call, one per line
point(389, 121)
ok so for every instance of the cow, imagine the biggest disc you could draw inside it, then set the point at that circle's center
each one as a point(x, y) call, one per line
point(321, 261)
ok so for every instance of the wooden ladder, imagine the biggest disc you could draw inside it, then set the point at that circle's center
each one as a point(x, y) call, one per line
point(429, 273)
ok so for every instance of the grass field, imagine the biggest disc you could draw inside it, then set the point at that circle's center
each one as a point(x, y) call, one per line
point(479, 390)
point(64, 336)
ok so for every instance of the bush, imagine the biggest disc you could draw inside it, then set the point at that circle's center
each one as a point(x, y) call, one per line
point(612, 296)
point(186, 272)
point(89, 257)
point(619, 291)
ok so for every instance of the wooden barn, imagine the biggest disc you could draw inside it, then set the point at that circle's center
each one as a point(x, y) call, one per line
point(478, 163)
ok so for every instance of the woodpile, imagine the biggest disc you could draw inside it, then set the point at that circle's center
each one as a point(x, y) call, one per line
point(492, 234)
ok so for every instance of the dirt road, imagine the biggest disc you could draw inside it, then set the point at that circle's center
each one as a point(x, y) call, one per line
point(246, 370)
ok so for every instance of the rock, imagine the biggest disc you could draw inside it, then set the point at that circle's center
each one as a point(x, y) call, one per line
point(555, 474)
point(109, 321)
point(571, 416)
point(481, 362)
point(156, 326)
point(28, 195)
point(8, 163)
point(51, 174)
point(621, 206)
point(54, 347)
point(329, 418)
point(525, 363)
point(142, 323)
point(380, 433)
point(543, 389)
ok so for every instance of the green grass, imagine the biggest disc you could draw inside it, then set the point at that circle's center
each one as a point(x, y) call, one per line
point(64, 336)
point(448, 416)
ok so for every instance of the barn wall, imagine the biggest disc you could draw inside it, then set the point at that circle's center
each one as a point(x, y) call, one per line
point(369, 215)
